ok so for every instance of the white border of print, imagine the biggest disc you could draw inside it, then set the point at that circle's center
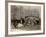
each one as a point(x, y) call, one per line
point(13, 32)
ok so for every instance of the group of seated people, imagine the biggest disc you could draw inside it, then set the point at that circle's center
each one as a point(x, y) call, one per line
point(26, 21)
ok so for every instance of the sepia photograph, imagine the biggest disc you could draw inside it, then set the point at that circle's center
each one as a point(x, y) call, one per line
point(25, 18)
